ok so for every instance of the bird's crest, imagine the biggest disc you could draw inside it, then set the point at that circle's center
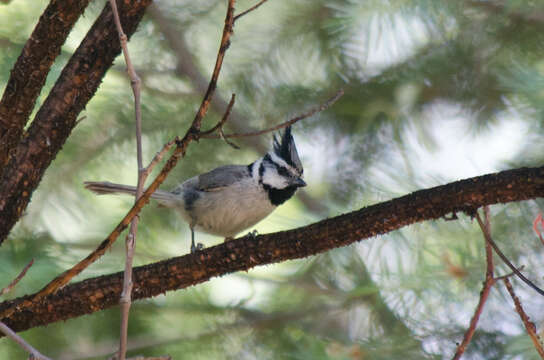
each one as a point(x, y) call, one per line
point(287, 150)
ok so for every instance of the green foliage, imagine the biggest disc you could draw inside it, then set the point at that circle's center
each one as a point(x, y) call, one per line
point(420, 78)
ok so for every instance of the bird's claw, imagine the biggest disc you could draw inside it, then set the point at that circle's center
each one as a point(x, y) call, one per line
point(252, 234)
point(198, 247)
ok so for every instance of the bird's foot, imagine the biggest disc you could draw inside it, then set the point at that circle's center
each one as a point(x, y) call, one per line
point(198, 247)
point(252, 234)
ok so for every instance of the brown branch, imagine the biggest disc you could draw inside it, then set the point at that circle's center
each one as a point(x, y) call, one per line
point(225, 43)
point(305, 115)
point(31, 68)
point(529, 325)
point(507, 262)
point(157, 158)
point(224, 119)
point(219, 126)
point(8, 288)
point(250, 9)
point(57, 116)
point(484, 294)
point(245, 253)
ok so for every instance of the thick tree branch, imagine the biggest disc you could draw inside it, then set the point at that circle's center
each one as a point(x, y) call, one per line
point(31, 68)
point(244, 253)
point(56, 118)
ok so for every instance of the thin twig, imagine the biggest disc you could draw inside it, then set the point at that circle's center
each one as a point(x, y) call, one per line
point(12, 334)
point(250, 9)
point(505, 259)
point(22, 343)
point(8, 288)
point(488, 283)
point(157, 158)
point(223, 119)
point(130, 242)
point(305, 115)
point(502, 277)
point(219, 126)
point(529, 325)
point(225, 43)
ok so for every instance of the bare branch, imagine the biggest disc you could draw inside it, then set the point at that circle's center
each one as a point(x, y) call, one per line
point(529, 325)
point(484, 294)
point(225, 43)
point(305, 115)
point(250, 9)
point(157, 158)
point(8, 288)
point(130, 241)
point(220, 124)
point(10, 333)
point(22, 343)
point(505, 259)
point(498, 278)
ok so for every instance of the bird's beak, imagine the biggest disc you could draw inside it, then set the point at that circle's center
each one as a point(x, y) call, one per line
point(298, 182)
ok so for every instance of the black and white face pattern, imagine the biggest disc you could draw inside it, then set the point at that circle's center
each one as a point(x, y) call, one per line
point(280, 171)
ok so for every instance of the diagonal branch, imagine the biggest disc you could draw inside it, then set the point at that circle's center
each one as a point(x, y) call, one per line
point(488, 283)
point(12, 284)
point(307, 114)
point(245, 253)
point(529, 325)
point(34, 354)
point(31, 68)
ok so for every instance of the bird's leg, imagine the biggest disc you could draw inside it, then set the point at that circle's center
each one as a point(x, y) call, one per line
point(193, 247)
point(198, 246)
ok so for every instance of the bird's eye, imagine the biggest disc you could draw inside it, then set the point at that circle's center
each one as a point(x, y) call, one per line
point(283, 172)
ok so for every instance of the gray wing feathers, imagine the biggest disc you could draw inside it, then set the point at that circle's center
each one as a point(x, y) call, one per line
point(105, 187)
point(222, 176)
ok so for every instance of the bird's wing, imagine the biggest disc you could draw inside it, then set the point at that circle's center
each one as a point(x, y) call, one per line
point(222, 176)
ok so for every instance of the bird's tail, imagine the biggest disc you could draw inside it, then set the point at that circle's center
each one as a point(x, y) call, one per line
point(165, 198)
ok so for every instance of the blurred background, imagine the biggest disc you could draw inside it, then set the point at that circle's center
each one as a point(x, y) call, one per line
point(435, 91)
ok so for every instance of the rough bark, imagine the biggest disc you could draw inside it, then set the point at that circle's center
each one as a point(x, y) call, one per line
point(102, 292)
point(56, 118)
point(31, 68)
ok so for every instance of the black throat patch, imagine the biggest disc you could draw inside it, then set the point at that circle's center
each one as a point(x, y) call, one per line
point(279, 196)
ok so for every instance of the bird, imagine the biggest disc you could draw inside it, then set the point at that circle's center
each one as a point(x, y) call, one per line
point(230, 198)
